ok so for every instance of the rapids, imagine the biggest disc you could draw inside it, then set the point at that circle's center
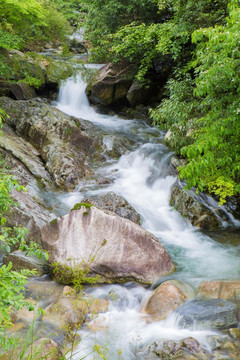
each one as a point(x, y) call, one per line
point(143, 177)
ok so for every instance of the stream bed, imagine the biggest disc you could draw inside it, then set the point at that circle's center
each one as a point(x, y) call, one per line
point(143, 176)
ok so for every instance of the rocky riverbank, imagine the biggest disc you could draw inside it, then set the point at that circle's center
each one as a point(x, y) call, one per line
point(101, 241)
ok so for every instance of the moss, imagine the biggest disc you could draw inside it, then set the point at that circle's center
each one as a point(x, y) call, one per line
point(53, 222)
point(79, 205)
point(85, 213)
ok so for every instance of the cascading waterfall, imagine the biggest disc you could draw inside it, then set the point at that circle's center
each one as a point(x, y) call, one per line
point(144, 178)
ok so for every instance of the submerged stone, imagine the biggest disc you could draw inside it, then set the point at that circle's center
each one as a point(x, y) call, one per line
point(208, 314)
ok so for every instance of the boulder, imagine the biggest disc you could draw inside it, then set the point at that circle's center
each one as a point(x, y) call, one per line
point(227, 289)
point(71, 309)
point(111, 85)
point(111, 201)
point(115, 146)
point(23, 162)
point(21, 261)
point(77, 47)
point(138, 94)
point(170, 349)
point(23, 91)
point(20, 149)
point(177, 161)
point(67, 313)
point(188, 206)
point(207, 314)
point(106, 244)
point(22, 64)
point(43, 289)
point(62, 142)
point(165, 299)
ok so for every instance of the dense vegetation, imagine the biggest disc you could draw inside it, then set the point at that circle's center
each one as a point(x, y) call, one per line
point(200, 106)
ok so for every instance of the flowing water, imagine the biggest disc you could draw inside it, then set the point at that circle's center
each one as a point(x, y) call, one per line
point(144, 177)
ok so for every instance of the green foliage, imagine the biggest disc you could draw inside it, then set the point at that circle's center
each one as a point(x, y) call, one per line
point(141, 31)
point(178, 111)
point(71, 10)
point(78, 206)
point(206, 108)
point(26, 21)
point(79, 273)
point(9, 40)
point(106, 17)
point(12, 286)
point(11, 282)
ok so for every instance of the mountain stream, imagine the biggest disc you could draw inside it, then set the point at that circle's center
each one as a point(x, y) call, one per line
point(143, 176)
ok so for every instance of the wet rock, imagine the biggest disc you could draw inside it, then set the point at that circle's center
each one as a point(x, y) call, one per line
point(67, 313)
point(23, 91)
point(114, 203)
point(22, 64)
point(227, 289)
point(170, 349)
point(22, 150)
point(166, 298)
point(188, 206)
point(208, 314)
point(167, 349)
point(192, 345)
point(138, 94)
point(178, 162)
point(115, 248)
point(115, 146)
point(43, 288)
point(20, 261)
point(235, 333)
point(111, 85)
point(77, 47)
point(57, 71)
point(71, 309)
point(22, 161)
point(62, 141)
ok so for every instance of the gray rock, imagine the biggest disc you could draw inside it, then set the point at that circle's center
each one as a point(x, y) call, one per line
point(208, 314)
point(116, 145)
point(20, 261)
point(115, 248)
point(66, 145)
point(170, 349)
point(23, 91)
point(177, 161)
point(111, 85)
point(188, 206)
point(25, 153)
point(138, 95)
point(23, 162)
point(114, 203)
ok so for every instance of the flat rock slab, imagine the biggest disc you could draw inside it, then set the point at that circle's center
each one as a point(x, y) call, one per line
point(208, 314)
point(115, 248)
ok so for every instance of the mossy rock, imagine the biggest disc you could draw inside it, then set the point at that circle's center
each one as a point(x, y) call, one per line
point(79, 205)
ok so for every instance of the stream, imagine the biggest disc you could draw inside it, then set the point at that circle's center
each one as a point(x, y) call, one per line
point(143, 176)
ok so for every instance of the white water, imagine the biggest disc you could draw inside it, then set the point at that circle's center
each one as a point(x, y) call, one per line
point(144, 178)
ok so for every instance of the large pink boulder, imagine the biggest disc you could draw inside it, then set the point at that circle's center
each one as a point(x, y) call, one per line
point(115, 248)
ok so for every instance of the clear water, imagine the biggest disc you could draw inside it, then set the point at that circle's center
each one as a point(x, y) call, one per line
point(144, 178)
